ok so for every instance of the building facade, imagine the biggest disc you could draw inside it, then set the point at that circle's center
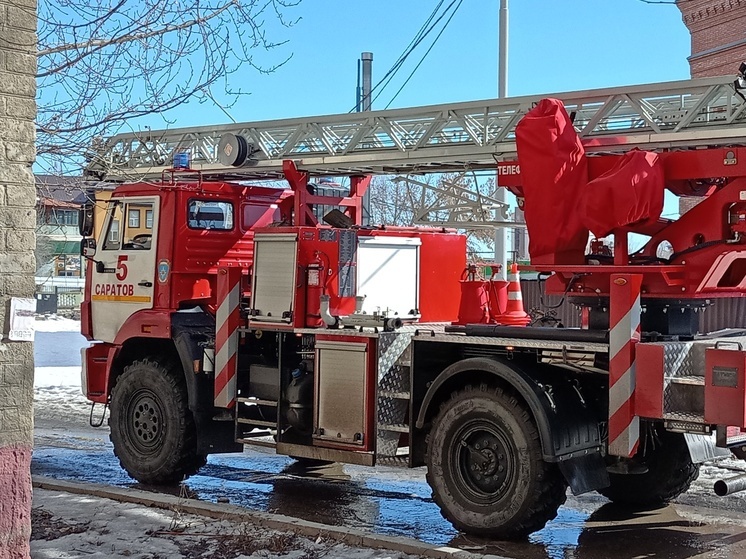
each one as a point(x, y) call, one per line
point(718, 31)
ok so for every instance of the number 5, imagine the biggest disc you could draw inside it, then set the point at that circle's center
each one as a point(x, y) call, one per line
point(122, 267)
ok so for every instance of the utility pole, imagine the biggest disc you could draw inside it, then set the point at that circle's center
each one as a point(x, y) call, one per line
point(502, 53)
point(501, 233)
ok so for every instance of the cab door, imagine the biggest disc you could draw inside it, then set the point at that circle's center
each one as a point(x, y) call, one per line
point(122, 283)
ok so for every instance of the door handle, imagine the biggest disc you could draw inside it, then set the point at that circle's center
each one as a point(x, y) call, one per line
point(145, 284)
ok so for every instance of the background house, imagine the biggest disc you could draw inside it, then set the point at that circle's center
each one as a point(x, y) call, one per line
point(59, 270)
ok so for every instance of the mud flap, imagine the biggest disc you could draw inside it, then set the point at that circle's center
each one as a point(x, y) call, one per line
point(585, 473)
point(702, 448)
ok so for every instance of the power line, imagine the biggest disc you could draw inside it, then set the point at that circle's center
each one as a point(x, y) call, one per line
point(424, 56)
point(417, 43)
point(423, 32)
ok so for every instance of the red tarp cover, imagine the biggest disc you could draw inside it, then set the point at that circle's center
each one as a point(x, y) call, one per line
point(628, 193)
point(554, 173)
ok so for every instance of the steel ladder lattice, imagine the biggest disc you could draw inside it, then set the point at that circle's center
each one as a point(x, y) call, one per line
point(438, 138)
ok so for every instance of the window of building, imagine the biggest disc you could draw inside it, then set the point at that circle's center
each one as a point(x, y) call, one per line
point(134, 218)
point(112, 237)
point(203, 214)
point(148, 219)
point(114, 232)
point(137, 237)
point(62, 217)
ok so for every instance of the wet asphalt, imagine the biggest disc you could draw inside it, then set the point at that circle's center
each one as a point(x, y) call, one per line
point(397, 502)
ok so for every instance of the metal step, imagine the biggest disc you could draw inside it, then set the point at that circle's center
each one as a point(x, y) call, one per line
point(399, 428)
point(394, 395)
point(257, 422)
point(396, 461)
point(257, 401)
point(254, 442)
point(693, 380)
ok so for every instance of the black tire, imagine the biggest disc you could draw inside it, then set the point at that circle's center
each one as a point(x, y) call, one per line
point(524, 492)
point(152, 428)
point(670, 472)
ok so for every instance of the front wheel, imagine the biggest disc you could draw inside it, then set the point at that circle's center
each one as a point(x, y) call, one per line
point(485, 466)
point(152, 428)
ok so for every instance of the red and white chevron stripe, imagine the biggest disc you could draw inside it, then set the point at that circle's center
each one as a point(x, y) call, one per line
point(625, 310)
point(227, 321)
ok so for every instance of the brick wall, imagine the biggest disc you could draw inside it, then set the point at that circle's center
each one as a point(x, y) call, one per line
point(17, 222)
point(718, 31)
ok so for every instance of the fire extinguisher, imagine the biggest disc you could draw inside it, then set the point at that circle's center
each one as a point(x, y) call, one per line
point(314, 290)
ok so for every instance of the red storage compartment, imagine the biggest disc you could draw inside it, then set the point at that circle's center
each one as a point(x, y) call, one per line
point(725, 385)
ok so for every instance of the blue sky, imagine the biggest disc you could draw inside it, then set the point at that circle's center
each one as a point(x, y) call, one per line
point(555, 46)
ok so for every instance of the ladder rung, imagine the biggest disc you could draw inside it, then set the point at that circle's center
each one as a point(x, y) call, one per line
point(394, 395)
point(255, 442)
point(398, 428)
point(694, 380)
point(257, 422)
point(257, 401)
point(257, 434)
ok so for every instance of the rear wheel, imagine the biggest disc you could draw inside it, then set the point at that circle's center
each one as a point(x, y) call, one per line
point(485, 466)
point(670, 472)
point(152, 428)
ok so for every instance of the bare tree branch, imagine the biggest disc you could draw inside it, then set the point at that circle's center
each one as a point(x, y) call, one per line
point(104, 63)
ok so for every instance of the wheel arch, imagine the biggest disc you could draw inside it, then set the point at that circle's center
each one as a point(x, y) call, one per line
point(134, 349)
point(181, 346)
point(568, 426)
point(481, 369)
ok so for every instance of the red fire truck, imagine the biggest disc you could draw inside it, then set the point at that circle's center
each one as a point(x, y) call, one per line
point(236, 316)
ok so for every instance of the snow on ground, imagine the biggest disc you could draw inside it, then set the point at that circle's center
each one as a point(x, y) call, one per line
point(113, 529)
point(54, 323)
point(57, 393)
point(58, 397)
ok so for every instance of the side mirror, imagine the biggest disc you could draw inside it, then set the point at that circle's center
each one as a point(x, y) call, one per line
point(85, 220)
point(88, 247)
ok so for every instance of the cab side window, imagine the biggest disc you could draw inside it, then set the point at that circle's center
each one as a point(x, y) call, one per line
point(206, 214)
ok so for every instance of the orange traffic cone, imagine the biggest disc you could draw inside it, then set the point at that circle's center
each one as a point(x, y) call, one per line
point(514, 314)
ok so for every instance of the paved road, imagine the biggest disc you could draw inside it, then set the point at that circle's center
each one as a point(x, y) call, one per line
point(394, 501)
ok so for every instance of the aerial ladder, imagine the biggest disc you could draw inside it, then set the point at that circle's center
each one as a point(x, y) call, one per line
point(628, 405)
point(431, 139)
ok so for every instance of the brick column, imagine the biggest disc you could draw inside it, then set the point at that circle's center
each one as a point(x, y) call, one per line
point(17, 266)
point(718, 30)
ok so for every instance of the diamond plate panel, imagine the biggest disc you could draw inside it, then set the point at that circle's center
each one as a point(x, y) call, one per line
point(393, 388)
point(677, 360)
point(515, 342)
point(391, 347)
